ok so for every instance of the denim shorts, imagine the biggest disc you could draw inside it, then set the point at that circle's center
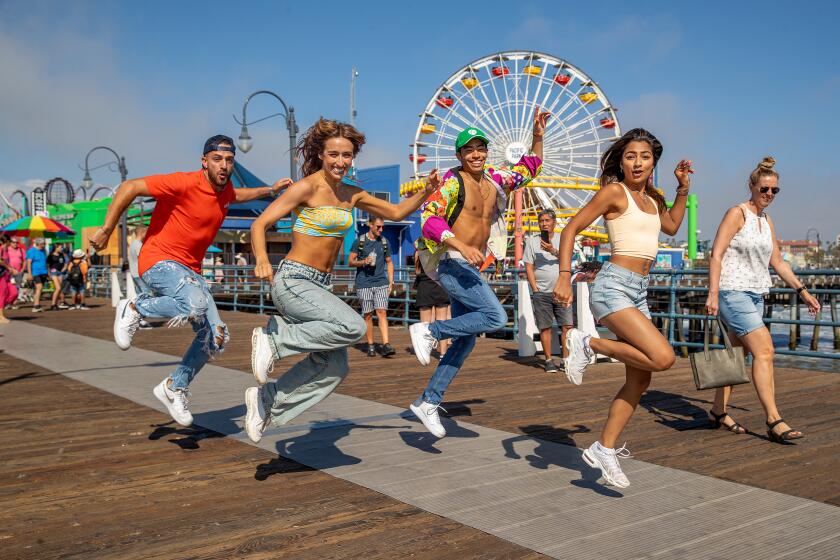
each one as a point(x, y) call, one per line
point(741, 311)
point(616, 288)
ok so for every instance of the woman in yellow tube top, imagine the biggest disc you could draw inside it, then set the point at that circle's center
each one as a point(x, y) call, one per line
point(635, 213)
point(314, 321)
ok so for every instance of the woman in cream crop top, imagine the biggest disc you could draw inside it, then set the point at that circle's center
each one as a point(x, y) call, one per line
point(635, 233)
point(634, 213)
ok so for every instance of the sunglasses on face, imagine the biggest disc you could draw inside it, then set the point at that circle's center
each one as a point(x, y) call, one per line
point(774, 190)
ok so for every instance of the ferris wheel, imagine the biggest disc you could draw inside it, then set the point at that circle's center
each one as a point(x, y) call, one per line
point(499, 94)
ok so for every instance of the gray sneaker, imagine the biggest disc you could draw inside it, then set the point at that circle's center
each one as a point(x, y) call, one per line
point(550, 366)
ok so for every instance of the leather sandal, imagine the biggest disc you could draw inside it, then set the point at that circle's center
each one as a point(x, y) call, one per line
point(716, 422)
point(784, 436)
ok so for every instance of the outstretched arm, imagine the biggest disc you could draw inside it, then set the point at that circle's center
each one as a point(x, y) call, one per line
point(246, 195)
point(126, 193)
point(396, 212)
point(540, 120)
point(529, 165)
point(296, 195)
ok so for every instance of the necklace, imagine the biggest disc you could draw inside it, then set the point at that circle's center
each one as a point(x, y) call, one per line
point(481, 190)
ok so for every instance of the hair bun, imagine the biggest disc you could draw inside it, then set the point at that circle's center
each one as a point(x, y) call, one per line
point(767, 163)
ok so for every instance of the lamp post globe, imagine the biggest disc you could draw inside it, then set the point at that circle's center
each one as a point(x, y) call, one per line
point(245, 142)
point(87, 182)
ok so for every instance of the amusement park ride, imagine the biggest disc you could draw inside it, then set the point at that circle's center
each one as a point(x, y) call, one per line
point(499, 94)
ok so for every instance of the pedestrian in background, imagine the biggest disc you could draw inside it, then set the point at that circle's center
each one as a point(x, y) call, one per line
point(36, 269)
point(432, 302)
point(374, 281)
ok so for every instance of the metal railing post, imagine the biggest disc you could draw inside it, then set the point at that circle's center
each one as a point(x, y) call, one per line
point(672, 307)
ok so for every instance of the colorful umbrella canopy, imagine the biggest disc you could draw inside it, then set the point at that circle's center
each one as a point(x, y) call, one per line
point(37, 226)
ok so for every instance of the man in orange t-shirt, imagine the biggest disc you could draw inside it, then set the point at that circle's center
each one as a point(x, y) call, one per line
point(189, 211)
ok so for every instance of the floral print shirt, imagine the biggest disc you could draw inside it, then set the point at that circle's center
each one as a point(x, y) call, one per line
point(438, 208)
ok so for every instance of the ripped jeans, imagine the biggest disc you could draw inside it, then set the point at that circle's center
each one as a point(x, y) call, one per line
point(177, 292)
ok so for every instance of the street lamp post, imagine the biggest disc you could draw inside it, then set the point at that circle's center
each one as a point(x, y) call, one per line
point(353, 75)
point(245, 142)
point(87, 183)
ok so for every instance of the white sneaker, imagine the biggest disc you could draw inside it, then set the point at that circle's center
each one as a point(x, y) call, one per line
point(256, 419)
point(577, 343)
point(262, 358)
point(599, 457)
point(176, 402)
point(423, 342)
point(428, 414)
point(125, 324)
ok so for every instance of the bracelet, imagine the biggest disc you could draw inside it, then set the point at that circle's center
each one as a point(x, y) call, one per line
point(801, 289)
point(682, 193)
point(562, 271)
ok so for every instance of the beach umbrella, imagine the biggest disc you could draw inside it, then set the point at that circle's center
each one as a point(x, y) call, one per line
point(213, 249)
point(37, 226)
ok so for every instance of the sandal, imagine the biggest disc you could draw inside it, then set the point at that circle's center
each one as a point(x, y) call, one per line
point(716, 422)
point(784, 436)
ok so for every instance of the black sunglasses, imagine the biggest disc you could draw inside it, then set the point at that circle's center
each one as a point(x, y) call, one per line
point(774, 190)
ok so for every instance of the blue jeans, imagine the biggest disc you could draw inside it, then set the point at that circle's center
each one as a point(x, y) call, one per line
point(475, 310)
point(316, 322)
point(177, 292)
point(140, 285)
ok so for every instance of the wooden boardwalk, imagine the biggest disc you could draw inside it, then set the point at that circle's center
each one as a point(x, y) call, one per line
point(99, 473)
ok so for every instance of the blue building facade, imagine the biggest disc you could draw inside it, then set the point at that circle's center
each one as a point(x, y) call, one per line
point(384, 182)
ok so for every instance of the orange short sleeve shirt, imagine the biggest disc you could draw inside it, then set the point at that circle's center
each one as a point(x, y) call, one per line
point(187, 215)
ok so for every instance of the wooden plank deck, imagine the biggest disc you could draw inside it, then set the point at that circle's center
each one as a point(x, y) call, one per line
point(496, 389)
point(87, 474)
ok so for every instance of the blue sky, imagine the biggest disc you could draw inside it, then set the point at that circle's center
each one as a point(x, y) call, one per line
point(723, 83)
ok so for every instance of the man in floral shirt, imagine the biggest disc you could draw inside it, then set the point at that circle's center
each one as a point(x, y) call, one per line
point(460, 222)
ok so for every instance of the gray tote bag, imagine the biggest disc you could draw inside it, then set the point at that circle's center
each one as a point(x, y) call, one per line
point(718, 368)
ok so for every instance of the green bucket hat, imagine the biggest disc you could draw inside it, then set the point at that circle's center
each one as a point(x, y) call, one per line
point(468, 134)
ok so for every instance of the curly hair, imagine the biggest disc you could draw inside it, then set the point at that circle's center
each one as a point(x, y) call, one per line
point(312, 143)
point(611, 171)
point(763, 169)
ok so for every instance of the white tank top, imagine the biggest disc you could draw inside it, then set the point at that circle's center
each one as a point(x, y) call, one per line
point(746, 260)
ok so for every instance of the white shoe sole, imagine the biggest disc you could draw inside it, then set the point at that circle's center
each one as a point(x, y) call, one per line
point(423, 418)
point(596, 464)
point(260, 374)
point(416, 342)
point(252, 407)
point(160, 393)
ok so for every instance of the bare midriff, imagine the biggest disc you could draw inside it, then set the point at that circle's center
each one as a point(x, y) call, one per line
point(473, 224)
point(318, 252)
point(634, 264)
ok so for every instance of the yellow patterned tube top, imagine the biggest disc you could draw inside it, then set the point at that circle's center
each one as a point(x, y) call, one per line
point(323, 221)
